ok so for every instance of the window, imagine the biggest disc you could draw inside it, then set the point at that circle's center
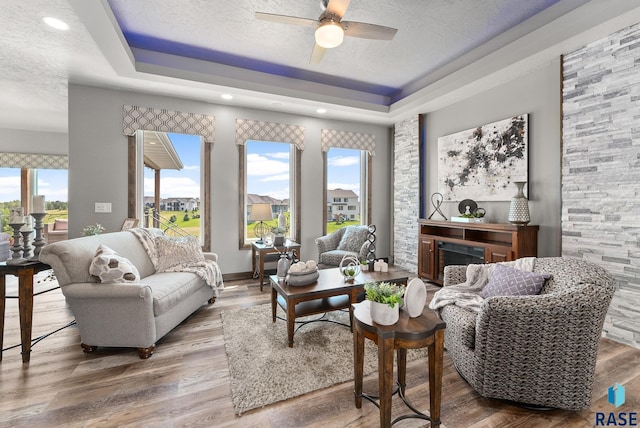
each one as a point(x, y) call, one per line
point(172, 176)
point(169, 176)
point(271, 176)
point(346, 182)
point(53, 184)
point(9, 195)
point(16, 184)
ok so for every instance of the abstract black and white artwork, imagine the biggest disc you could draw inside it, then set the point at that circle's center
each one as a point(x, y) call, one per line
point(483, 163)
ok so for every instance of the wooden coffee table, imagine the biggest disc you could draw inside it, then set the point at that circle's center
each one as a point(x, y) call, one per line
point(329, 293)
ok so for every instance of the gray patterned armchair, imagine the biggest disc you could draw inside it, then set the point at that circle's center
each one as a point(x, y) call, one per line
point(538, 350)
point(350, 240)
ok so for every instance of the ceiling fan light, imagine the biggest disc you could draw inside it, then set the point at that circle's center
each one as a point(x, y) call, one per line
point(329, 34)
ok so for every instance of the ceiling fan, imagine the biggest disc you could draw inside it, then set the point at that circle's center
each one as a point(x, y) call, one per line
point(331, 29)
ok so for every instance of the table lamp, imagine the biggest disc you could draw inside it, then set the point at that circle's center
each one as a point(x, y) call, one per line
point(261, 213)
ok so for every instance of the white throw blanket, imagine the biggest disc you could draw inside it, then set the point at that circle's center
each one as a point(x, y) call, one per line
point(467, 294)
point(208, 270)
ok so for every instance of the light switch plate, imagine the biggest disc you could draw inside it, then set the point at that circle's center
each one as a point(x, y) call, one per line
point(103, 207)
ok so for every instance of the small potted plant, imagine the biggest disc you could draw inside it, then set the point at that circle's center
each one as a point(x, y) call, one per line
point(386, 299)
point(93, 229)
point(278, 235)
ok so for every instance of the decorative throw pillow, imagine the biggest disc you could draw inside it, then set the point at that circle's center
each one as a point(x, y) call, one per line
point(108, 266)
point(353, 238)
point(177, 251)
point(507, 281)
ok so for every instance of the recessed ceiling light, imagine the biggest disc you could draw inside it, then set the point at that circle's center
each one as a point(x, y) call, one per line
point(321, 110)
point(55, 23)
point(226, 96)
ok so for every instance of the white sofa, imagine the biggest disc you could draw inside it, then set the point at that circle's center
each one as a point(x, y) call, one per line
point(124, 314)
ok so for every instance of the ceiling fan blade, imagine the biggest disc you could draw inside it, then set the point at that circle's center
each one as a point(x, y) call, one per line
point(284, 19)
point(317, 54)
point(368, 31)
point(338, 7)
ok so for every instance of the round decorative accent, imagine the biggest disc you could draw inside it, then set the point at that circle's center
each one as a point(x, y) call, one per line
point(349, 267)
point(415, 297)
point(467, 204)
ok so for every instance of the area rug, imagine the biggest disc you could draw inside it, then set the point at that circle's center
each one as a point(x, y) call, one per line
point(264, 370)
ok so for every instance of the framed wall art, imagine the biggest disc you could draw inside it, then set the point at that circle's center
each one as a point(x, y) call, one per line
point(483, 163)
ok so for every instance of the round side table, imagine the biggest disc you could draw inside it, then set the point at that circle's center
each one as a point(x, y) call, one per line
point(426, 330)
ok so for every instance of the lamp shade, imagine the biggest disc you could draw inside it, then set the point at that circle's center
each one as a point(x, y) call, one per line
point(329, 34)
point(261, 212)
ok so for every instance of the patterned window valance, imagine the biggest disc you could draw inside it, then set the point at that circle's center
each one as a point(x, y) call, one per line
point(348, 140)
point(268, 131)
point(136, 118)
point(33, 160)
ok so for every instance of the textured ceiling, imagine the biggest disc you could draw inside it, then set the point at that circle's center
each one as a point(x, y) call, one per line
point(200, 49)
point(430, 35)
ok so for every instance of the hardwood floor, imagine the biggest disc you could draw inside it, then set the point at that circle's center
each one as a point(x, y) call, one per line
point(186, 382)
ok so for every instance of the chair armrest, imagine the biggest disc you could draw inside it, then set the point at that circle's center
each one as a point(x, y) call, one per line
point(364, 251)
point(211, 256)
point(569, 322)
point(454, 274)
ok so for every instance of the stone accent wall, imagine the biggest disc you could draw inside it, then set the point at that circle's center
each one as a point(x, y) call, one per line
point(601, 169)
point(406, 194)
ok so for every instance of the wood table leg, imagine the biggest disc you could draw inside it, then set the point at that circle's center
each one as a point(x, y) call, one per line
point(25, 304)
point(435, 377)
point(291, 320)
point(261, 256)
point(358, 365)
point(3, 295)
point(274, 297)
point(385, 378)
point(402, 368)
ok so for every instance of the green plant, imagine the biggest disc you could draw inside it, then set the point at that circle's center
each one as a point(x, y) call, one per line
point(279, 230)
point(384, 292)
point(93, 229)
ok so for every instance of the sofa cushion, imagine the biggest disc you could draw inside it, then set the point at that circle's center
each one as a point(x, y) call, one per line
point(507, 281)
point(177, 251)
point(170, 288)
point(334, 257)
point(353, 238)
point(108, 266)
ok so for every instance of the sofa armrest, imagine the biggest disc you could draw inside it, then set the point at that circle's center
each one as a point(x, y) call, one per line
point(211, 256)
point(113, 314)
point(454, 274)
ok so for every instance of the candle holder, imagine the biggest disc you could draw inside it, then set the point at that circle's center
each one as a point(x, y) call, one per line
point(27, 248)
point(16, 257)
point(39, 242)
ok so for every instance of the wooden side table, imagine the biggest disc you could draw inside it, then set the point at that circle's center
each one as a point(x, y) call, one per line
point(427, 330)
point(25, 273)
point(261, 250)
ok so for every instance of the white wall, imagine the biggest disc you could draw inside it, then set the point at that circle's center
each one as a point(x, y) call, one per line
point(98, 168)
point(19, 141)
point(538, 94)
